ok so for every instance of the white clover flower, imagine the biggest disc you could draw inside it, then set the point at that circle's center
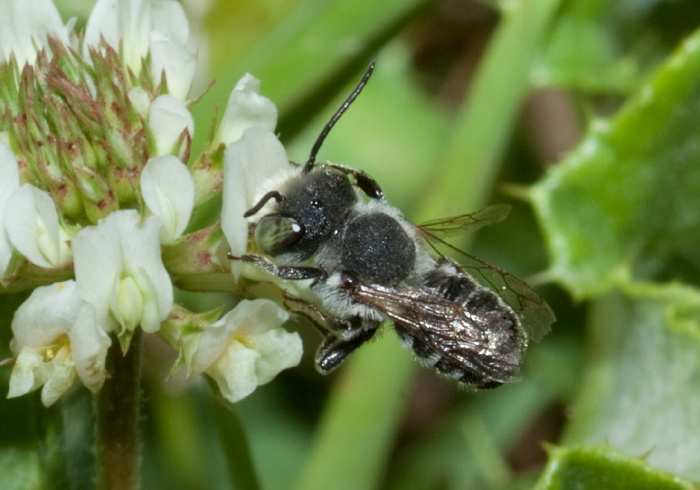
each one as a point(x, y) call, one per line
point(56, 337)
point(244, 349)
point(168, 191)
point(33, 228)
point(167, 119)
point(25, 27)
point(122, 159)
point(256, 158)
point(120, 272)
point(246, 108)
point(9, 183)
point(158, 28)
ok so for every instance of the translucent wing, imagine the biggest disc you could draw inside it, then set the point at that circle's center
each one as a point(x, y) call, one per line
point(535, 314)
point(467, 222)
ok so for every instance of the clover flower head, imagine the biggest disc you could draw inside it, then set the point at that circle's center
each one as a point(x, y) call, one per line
point(98, 183)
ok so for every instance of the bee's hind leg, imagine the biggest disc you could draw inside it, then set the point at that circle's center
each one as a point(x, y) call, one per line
point(334, 350)
point(341, 337)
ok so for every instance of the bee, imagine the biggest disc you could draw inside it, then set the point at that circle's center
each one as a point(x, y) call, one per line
point(332, 224)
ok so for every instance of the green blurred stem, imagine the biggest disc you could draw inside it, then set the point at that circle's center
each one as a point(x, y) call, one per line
point(484, 125)
point(235, 442)
point(365, 409)
point(117, 407)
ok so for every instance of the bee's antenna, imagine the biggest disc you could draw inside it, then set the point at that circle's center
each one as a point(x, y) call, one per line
point(321, 137)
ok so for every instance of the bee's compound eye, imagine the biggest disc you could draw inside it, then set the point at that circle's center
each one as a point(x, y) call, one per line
point(275, 234)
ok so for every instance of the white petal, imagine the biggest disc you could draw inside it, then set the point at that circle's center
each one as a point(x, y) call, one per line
point(210, 345)
point(158, 26)
point(248, 317)
point(278, 350)
point(120, 246)
point(234, 372)
point(140, 244)
point(33, 228)
point(255, 317)
point(121, 20)
point(89, 344)
point(153, 313)
point(246, 109)
point(48, 313)
point(246, 348)
point(98, 263)
point(168, 190)
point(126, 305)
point(167, 119)
point(235, 202)
point(256, 157)
point(61, 378)
point(179, 64)
point(169, 21)
point(9, 183)
point(169, 51)
point(28, 373)
point(26, 24)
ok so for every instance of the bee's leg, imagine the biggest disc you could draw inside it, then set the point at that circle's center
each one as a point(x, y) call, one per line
point(309, 311)
point(328, 327)
point(283, 272)
point(366, 183)
point(340, 337)
point(334, 350)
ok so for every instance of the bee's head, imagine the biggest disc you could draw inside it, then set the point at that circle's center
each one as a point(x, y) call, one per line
point(310, 206)
point(308, 209)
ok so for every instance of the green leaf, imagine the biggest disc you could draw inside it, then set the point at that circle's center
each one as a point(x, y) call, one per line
point(601, 66)
point(626, 199)
point(641, 393)
point(594, 468)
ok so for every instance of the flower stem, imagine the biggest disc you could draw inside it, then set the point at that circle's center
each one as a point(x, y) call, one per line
point(117, 406)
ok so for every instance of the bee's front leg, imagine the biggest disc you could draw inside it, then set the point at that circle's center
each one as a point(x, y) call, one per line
point(292, 273)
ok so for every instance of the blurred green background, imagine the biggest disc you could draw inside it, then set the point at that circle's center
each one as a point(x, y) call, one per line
point(581, 114)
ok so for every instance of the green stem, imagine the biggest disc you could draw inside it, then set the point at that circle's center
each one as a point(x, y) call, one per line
point(235, 442)
point(117, 407)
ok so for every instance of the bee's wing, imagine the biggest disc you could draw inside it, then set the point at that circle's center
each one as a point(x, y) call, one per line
point(447, 335)
point(535, 314)
point(467, 222)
